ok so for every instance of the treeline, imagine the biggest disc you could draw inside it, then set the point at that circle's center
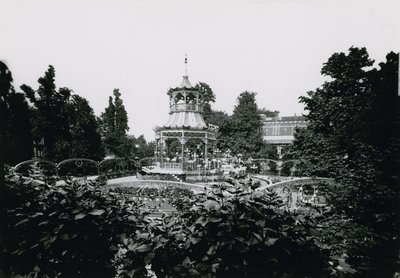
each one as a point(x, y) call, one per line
point(241, 132)
point(57, 124)
point(353, 136)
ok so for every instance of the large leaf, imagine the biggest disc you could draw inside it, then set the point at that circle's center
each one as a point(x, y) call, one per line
point(97, 212)
point(80, 216)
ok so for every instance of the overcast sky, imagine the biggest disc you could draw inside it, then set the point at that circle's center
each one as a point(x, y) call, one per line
point(273, 47)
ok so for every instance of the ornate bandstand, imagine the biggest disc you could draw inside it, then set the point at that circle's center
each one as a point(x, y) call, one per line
point(185, 142)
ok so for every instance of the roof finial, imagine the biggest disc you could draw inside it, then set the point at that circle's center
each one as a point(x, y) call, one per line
point(185, 81)
point(186, 73)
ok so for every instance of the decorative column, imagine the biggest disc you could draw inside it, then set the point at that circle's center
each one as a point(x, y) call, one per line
point(161, 149)
point(213, 159)
point(205, 154)
point(156, 150)
point(183, 143)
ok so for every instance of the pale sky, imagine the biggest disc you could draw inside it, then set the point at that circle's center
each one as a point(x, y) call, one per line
point(273, 47)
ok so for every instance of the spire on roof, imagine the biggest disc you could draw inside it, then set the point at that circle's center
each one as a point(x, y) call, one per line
point(186, 74)
point(185, 82)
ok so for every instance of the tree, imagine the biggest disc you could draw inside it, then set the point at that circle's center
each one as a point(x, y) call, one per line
point(49, 116)
point(352, 135)
point(208, 97)
point(335, 112)
point(223, 121)
point(246, 137)
point(268, 113)
point(64, 121)
point(16, 138)
point(5, 89)
point(114, 125)
point(86, 140)
point(20, 143)
point(215, 117)
point(141, 148)
point(206, 92)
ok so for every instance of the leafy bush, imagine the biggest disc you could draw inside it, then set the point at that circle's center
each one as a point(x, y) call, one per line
point(64, 229)
point(175, 196)
point(227, 233)
point(152, 192)
point(78, 230)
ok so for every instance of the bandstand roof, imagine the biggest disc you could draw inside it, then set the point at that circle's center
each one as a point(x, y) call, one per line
point(185, 82)
point(186, 119)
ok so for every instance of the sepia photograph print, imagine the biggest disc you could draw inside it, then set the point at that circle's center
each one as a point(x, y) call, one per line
point(199, 138)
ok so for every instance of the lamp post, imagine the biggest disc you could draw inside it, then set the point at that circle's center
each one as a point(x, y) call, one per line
point(266, 167)
point(217, 152)
point(250, 163)
point(293, 170)
point(228, 156)
point(198, 170)
point(205, 169)
point(279, 164)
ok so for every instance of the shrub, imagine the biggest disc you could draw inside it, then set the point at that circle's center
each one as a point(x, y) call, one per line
point(228, 233)
point(64, 229)
point(175, 196)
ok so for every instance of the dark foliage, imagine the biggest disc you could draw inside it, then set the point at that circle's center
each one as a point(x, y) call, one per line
point(16, 138)
point(353, 136)
point(63, 230)
point(246, 136)
point(114, 125)
point(62, 121)
point(228, 233)
point(140, 148)
point(174, 196)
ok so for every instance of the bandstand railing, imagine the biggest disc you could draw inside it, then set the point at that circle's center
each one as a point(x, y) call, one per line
point(156, 184)
point(186, 107)
point(171, 165)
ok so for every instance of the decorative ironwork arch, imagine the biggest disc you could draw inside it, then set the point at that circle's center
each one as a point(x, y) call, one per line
point(47, 167)
point(78, 167)
point(118, 166)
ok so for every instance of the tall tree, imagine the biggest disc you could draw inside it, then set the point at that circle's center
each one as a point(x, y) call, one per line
point(114, 125)
point(50, 118)
point(16, 138)
point(246, 137)
point(208, 97)
point(206, 91)
point(223, 121)
point(352, 135)
point(19, 135)
point(215, 117)
point(85, 136)
point(335, 112)
point(5, 89)
point(121, 116)
point(63, 121)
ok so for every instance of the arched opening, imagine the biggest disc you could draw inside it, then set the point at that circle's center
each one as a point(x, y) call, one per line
point(194, 155)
